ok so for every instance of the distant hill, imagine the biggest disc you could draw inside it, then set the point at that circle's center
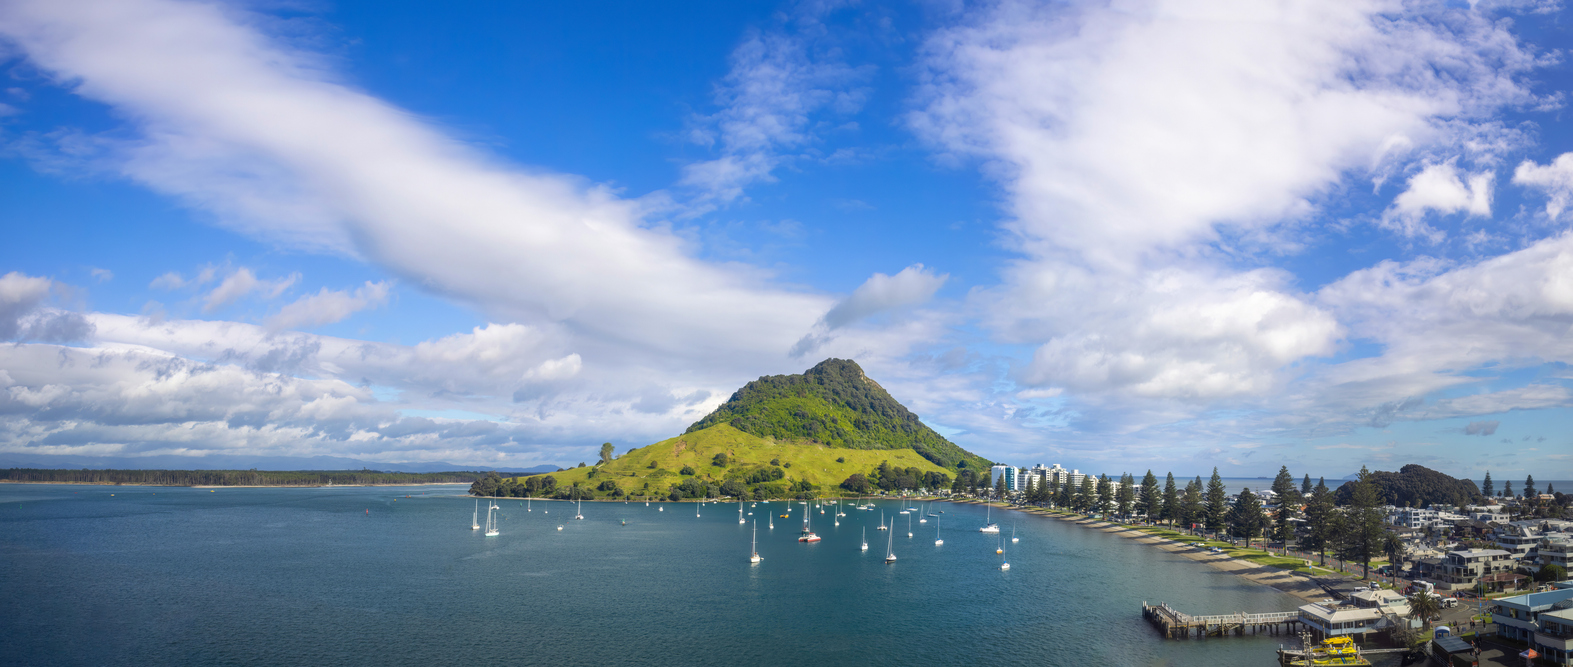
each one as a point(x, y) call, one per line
point(1416, 486)
point(835, 404)
point(781, 436)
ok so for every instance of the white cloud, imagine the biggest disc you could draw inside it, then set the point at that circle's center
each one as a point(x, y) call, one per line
point(1171, 333)
point(1120, 130)
point(912, 286)
point(1440, 188)
point(266, 137)
point(776, 85)
point(1556, 179)
point(329, 306)
point(23, 315)
point(102, 275)
point(243, 282)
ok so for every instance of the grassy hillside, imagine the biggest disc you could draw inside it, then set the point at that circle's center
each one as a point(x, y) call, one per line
point(748, 455)
point(835, 404)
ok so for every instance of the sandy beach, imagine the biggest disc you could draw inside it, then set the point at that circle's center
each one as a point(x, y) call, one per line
point(1284, 581)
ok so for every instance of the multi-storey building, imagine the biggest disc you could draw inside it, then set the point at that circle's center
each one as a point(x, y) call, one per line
point(1461, 570)
point(1542, 620)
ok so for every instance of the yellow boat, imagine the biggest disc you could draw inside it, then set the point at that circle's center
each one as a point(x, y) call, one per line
point(1334, 651)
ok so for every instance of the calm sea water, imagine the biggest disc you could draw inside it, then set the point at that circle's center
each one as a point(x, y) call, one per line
point(367, 576)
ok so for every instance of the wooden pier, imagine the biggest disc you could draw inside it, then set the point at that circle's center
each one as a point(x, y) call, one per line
point(1176, 624)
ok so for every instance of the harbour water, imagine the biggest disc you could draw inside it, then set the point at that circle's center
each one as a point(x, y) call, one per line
point(395, 576)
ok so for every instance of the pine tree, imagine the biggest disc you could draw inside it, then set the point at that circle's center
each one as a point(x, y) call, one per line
point(1215, 508)
point(1105, 496)
point(1087, 495)
point(1191, 506)
point(1529, 486)
point(1066, 499)
point(1305, 485)
point(1152, 499)
point(1319, 511)
point(1286, 507)
point(1365, 524)
point(1507, 489)
point(999, 486)
point(1171, 500)
point(1245, 516)
point(1485, 488)
point(1125, 496)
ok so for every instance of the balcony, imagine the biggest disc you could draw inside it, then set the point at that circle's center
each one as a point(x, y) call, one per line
point(1554, 641)
point(1511, 622)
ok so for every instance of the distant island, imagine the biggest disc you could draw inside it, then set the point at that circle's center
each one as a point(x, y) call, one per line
point(830, 430)
point(235, 477)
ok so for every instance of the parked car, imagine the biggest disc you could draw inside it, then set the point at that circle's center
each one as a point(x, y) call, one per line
point(1449, 602)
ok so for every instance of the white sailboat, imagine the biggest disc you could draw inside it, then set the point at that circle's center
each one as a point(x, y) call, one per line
point(807, 535)
point(580, 515)
point(890, 549)
point(865, 538)
point(740, 518)
point(491, 520)
point(1004, 565)
point(882, 521)
point(754, 559)
point(937, 541)
point(528, 504)
point(1013, 538)
point(988, 526)
point(909, 525)
point(475, 518)
point(924, 519)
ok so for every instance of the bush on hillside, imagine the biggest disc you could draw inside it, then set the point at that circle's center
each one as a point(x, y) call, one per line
point(687, 470)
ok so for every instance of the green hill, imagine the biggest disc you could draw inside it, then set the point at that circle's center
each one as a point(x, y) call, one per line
point(779, 436)
point(835, 404)
point(1416, 486)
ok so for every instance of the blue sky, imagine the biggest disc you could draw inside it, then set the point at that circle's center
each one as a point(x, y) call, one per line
point(1167, 235)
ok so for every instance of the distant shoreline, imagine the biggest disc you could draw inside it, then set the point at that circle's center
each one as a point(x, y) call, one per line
point(230, 486)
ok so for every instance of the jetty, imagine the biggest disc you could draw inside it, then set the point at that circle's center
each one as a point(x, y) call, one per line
point(1176, 624)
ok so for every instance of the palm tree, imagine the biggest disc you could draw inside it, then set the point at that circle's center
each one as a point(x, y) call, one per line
point(1424, 605)
point(1394, 548)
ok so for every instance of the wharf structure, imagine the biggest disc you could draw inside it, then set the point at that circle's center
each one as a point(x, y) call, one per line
point(1176, 624)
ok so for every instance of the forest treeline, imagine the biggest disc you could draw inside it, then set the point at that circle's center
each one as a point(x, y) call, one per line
point(234, 477)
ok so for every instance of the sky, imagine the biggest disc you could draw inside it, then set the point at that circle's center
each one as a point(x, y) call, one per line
point(1118, 235)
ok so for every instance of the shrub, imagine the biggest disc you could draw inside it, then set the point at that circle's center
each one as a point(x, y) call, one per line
point(608, 485)
point(687, 470)
point(733, 487)
point(775, 462)
point(652, 465)
point(788, 464)
point(841, 459)
point(720, 460)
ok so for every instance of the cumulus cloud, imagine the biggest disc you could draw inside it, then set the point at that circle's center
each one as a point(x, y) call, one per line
point(329, 306)
point(1482, 428)
point(23, 315)
point(1139, 144)
point(1439, 188)
point(1120, 130)
point(1555, 179)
